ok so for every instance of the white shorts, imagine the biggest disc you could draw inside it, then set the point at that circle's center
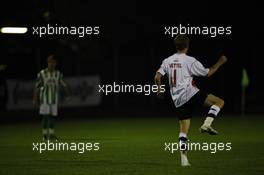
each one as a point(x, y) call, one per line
point(46, 109)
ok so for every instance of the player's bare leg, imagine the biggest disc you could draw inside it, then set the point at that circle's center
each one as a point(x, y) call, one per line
point(216, 104)
point(184, 128)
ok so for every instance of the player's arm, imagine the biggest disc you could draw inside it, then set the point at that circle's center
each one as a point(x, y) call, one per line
point(38, 84)
point(66, 89)
point(65, 86)
point(222, 60)
point(157, 80)
point(35, 96)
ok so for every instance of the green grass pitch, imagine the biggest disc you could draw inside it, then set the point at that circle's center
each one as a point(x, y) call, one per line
point(133, 146)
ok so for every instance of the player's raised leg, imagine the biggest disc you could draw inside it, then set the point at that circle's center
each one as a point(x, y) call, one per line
point(184, 128)
point(216, 104)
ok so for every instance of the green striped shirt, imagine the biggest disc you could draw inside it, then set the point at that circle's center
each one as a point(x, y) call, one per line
point(48, 84)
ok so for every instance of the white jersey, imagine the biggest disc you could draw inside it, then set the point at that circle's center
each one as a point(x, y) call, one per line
point(48, 84)
point(180, 69)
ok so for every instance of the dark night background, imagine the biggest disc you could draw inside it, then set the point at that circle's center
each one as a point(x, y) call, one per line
point(132, 45)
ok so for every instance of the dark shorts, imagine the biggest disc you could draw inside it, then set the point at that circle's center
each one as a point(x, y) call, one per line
point(196, 102)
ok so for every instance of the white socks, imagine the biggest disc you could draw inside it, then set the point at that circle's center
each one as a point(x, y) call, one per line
point(183, 140)
point(208, 121)
point(44, 131)
point(51, 131)
point(182, 134)
point(214, 110)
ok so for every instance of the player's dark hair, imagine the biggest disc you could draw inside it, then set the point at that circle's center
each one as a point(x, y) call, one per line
point(52, 57)
point(181, 42)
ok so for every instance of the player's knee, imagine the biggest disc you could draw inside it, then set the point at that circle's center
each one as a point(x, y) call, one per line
point(220, 103)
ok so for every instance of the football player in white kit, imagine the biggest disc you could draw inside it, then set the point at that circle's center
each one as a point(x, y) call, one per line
point(46, 93)
point(180, 70)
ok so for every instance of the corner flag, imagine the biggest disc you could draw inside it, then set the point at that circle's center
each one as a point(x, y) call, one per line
point(244, 85)
point(245, 79)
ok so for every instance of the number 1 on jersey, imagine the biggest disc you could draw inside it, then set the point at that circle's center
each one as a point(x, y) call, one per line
point(173, 78)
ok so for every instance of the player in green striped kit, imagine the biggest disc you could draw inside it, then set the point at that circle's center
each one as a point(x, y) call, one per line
point(46, 94)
